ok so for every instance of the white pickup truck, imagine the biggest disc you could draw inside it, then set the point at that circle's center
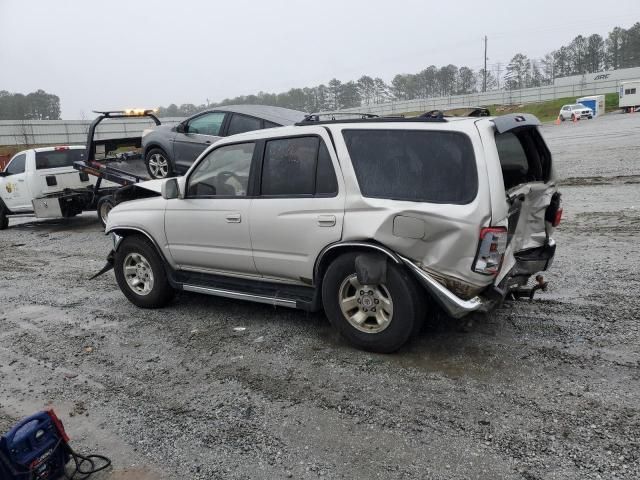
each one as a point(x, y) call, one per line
point(43, 182)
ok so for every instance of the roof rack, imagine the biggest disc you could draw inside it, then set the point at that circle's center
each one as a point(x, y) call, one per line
point(470, 112)
point(315, 118)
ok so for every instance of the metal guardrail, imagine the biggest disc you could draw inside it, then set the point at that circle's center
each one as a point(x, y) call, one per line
point(493, 97)
point(29, 133)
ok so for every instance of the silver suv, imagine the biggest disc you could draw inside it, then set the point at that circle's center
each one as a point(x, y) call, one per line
point(378, 221)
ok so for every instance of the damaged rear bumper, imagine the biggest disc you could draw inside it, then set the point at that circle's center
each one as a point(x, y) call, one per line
point(455, 306)
point(528, 262)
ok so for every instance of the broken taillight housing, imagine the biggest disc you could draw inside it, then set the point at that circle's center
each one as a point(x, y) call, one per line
point(491, 248)
point(557, 218)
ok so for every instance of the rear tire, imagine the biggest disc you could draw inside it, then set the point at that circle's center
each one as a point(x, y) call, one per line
point(140, 273)
point(105, 204)
point(4, 220)
point(398, 304)
point(158, 164)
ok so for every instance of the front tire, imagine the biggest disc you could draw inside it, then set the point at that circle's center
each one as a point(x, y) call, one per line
point(105, 204)
point(379, 318)
point(158, 164)
point(140, 273)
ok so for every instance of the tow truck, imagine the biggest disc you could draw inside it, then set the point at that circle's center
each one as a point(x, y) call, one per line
point(63, 181)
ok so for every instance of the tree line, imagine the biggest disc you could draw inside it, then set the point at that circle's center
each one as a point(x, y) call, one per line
point(584, 54)
point(38, 105)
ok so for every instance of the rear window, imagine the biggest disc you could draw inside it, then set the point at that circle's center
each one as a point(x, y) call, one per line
point(524, 157)
point(59, 158)
point(414, 165)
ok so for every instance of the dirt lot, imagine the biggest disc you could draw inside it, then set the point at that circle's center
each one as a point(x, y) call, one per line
point(537, 390)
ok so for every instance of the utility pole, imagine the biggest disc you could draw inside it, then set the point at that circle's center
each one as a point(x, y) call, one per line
point(484, 83)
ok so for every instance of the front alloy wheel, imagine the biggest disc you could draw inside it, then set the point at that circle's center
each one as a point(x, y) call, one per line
point(158, 164)
point(138, 274)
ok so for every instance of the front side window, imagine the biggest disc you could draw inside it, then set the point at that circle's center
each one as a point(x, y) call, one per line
point(59, 158)
point(207, 124)
point(414, 165)
point(242, 123)
point(222, 173)
point(297, 166)
point(16, 165)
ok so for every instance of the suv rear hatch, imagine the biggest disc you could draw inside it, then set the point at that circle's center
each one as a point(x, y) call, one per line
point(532, 206)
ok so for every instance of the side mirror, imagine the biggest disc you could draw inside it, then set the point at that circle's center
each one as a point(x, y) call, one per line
point(181, 128)
point(170, 189)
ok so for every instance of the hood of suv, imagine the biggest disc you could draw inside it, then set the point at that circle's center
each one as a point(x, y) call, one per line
point(152, 185)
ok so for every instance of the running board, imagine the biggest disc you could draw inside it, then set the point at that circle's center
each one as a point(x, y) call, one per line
point(219, 292)
point(269, 293)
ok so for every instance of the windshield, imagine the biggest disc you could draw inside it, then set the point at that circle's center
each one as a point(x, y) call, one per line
point(414, 165)
point(59, 158)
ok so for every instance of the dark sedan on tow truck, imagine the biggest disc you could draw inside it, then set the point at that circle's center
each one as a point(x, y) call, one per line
point(171, 149)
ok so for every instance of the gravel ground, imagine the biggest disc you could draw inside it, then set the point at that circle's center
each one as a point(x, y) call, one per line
point(536, 390)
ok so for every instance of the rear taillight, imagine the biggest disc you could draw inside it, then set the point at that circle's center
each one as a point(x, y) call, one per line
point(557, 218)
point(491, 248)
point(553, 214)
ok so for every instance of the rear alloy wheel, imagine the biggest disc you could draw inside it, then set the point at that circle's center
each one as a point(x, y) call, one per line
point(140, 273)
point(158, 164)
point(105, 205)
point(379, 318)
point(366, 308)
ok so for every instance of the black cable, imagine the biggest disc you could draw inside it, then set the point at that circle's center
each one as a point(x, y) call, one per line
point(80, 460)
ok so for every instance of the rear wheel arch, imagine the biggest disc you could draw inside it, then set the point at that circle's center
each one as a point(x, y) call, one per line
point(333, 251)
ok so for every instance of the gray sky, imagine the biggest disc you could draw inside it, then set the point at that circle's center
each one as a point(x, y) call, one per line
point(146, 53)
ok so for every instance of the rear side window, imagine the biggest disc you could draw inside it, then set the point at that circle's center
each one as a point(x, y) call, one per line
point(242, 123)
point(524, 157)
point(414, 165)
point(58, 158)
point(16, 165)
point(298, 166)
